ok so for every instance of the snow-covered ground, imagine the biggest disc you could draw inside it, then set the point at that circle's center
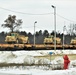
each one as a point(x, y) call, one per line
point(27, 57)
point(71, 71)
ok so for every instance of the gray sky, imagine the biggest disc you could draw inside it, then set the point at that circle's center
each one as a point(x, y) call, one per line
point(66, 10)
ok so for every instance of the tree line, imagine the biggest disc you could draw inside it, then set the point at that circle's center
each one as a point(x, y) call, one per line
point(14, 24)
point(39, 36)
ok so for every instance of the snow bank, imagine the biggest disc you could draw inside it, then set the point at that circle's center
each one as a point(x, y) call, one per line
point(57, 63)
point(6, 56)
point(72, 64)
point(31, 53)
point(22, 57)
point(27, 57)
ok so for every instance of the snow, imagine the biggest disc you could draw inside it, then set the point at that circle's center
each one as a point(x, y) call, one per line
point(22, 57)
point(28, 57)
point(71, 71)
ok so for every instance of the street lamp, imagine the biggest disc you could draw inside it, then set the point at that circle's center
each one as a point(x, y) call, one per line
point(63, 35)
point(54, 27)
point(34, 31)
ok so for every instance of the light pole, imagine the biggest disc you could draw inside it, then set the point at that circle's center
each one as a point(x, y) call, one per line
point(54, 27)
point(63, 35)
point(34, 31)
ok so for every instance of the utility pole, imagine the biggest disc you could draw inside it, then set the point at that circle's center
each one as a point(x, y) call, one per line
point(54, 27)
point(34, 31)
point(63, 35)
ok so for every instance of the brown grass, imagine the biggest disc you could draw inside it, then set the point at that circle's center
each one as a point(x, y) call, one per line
point(52, 57)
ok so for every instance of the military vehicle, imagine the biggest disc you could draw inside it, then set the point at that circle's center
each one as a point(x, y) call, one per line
point(16, 38)
point(50, 40)
point(73, 41)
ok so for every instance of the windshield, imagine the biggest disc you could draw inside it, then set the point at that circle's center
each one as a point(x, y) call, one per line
point(13, 34)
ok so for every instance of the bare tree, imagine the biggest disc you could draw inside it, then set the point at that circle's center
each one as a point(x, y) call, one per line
point(12, 23)
point(72, 29)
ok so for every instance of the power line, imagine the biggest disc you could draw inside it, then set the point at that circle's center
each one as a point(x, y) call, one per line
point(35, 14)
point(65, 18)
point(23, 12)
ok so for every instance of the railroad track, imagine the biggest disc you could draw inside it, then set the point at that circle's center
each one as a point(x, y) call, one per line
point(15, 47)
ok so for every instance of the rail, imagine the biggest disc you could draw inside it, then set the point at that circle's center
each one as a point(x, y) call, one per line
point(32, 47)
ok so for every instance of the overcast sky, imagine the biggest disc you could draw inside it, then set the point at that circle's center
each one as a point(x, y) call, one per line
point(37, 10)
